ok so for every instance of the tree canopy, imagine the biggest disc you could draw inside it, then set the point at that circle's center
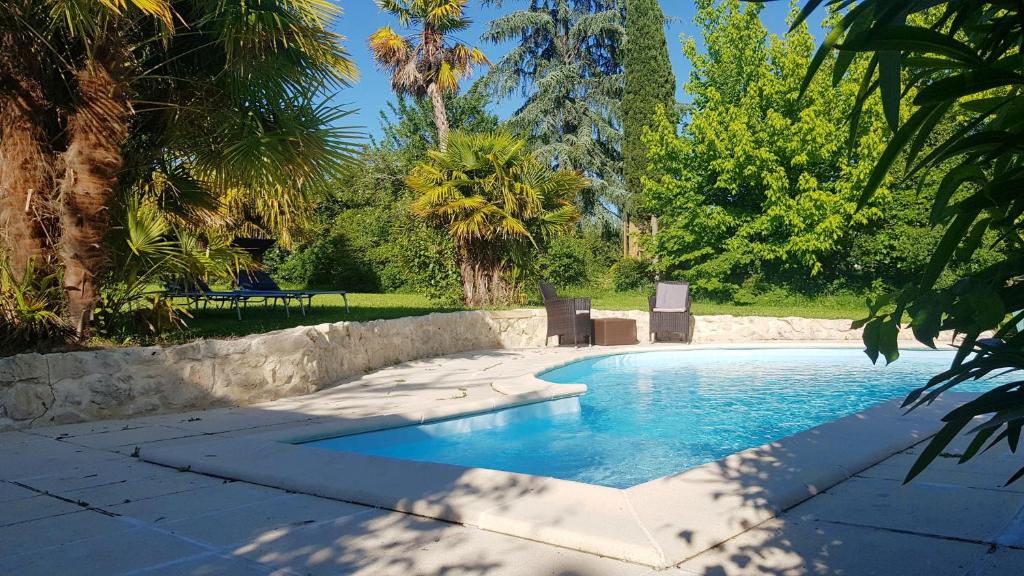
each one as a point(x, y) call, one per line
point(763, 182)
point(567, 63)
point(218, 121)
point(649, 85)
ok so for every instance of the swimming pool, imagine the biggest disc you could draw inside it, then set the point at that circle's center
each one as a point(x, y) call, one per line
point(651, 414)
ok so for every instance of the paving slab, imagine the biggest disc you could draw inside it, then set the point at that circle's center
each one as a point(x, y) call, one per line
point(130, 437)
point(968, 475)
point(596, 519)
point(27, 509)
point(442, 491)
point(86, 428)
point(393, 544)
point(10, 492)
point(212, 564)
point(13, 439)
point(1000, 562)
point(93, 473)
point(998, 461)
point(786, 547)
point(181, 505)
point(58, 530)
point(229, 419)
point(934, 509)
point(47, 458)
point(107, 554)
point(142, 489)
point(247, 523)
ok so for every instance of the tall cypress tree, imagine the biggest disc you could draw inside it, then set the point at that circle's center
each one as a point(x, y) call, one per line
point(649, 84)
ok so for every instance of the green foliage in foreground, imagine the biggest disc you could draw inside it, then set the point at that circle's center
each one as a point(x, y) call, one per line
point(962, 59)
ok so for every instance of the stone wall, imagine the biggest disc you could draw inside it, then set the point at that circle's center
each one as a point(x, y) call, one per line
point(525, 328)
point(39, 390)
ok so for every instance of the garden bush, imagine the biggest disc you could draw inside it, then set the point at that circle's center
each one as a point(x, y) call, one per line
point(567, 262)
point(631, 274)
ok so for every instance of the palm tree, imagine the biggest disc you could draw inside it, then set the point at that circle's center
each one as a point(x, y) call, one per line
point(496, 199)
point(428, 63)
point(223, 106)
point(27, 122)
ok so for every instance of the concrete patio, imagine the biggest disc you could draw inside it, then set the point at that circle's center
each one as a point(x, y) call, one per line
point(76, 500)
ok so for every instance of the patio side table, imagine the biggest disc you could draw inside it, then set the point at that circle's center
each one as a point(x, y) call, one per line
point(614, 331)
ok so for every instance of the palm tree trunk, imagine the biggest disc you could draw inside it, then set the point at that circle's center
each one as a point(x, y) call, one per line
point(25, 186)
point(483, 277)
point(467, 270)
point(440, 115)
point(96, 130)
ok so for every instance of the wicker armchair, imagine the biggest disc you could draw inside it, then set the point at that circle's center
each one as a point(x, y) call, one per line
point(670, 311)
point(567, 316)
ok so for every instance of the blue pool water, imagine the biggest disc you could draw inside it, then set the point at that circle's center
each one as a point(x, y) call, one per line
point(647, 415)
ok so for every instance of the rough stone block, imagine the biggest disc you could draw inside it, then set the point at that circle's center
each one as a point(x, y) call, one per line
point(26, 400)
point(29, 368)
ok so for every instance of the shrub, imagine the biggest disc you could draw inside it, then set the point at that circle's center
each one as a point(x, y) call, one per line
point(496, 200)
point(631, 274)
point(428, 264)
point(567, 261)
point(338, 259)
point(373, 249)
point(30, 311)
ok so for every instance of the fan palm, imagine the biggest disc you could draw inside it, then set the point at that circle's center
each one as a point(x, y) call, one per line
point(429, 62)
point(495, 198)
point(210, 98)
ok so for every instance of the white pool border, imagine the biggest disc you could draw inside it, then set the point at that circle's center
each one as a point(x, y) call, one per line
point(658, 523)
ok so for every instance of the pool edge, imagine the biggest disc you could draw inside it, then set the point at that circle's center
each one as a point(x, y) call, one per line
point(643, 524)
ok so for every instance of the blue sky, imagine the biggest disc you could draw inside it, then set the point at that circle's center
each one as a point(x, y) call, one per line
point(370, 95)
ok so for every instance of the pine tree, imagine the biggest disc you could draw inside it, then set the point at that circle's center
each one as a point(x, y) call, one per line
point(568, 66)
point(649, 84)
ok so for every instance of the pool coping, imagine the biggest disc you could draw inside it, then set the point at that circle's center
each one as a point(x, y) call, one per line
point(658, 523)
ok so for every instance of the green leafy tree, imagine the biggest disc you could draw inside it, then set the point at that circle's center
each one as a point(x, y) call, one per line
point(497, 200)
point(930, 61)
point(762, 184)
point(429, 62)
point(649, 84)
point(567, 63)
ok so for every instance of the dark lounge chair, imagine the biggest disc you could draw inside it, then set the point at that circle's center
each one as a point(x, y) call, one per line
point(567, 316)
point(670, 311)
point(259, 284)
point(197, 292)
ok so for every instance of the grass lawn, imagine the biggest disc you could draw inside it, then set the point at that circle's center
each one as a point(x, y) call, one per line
point(222, 322)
